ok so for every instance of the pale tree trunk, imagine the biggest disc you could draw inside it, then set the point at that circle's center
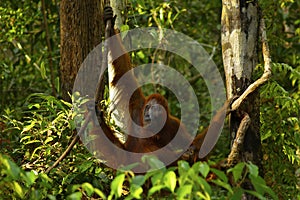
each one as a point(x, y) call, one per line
point(240, 39)
point(80, 26)
point(119, 8)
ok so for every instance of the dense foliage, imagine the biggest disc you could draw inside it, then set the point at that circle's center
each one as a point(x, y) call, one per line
point(36, 126)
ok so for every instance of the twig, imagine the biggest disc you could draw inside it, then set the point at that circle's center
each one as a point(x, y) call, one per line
point(71, 145)
point(267, 71)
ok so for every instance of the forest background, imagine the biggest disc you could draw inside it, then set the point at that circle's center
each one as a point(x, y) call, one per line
point(36, 124)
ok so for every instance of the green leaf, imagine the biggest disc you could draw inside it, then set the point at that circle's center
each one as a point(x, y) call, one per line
point(237, 171)
point(33, 141)
point(237, 195)
point(116, 185)
point(154, 189)
point(156, 178)
point(11, 168)
point(35, 150)
point(184, 192)
point(36, 105)
point(66, 103)
point(203, 184)
point(220, 174)
point(75, 187)
point(88, 188)
point(51, 197)
point(49, 139)
point(266, 135)
point(141, 3)
point(75, 196)
point(183, 167)
point(25, 138)
point(203, 168)
point(261, 187)
point(183, 171)
point(100, 193)
point(154, 162)
point(253, 169)
point(256, 194)
point(161, 15)
point(129, 167)
point(28, 59)
point(124, 32)
point(43, 70)
point(223, 184)
point(124, 28)
point(141, 55)
point(29, 127)
point(138, 180)
point(30, 177)
point(45, 178)
point(18, 189)
point(170, 180)
point(135, 192)
point(85, 166)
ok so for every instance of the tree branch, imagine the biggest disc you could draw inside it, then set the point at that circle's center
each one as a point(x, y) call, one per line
point(74, 141)
point(234, 155)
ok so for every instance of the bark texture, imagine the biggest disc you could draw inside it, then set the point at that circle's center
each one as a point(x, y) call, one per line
point(240, 39)
point(80, 25)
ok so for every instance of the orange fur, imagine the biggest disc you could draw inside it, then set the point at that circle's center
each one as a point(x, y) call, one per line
point(137, 109)
point(172, 124)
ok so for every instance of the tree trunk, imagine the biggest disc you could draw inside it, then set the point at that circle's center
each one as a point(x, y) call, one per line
point(240, 36)
point(80, 25)
point(119, 8)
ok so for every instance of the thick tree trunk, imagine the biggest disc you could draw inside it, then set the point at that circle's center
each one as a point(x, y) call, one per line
point(240, 37)
point(80, 25)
